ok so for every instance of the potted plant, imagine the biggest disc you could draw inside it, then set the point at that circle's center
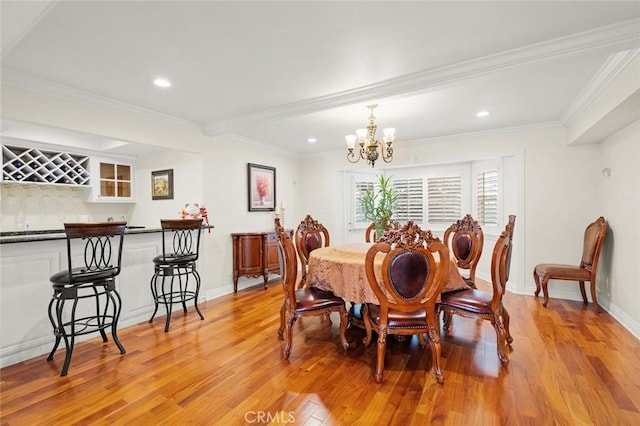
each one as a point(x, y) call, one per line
point(378, 205)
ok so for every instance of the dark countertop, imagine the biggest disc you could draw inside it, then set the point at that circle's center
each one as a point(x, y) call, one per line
point(58, 234)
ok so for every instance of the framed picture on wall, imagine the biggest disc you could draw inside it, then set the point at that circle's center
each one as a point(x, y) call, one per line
point(162, 185)
point(261, 188)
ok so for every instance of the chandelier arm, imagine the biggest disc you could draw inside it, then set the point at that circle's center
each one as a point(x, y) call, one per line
point(351, 155)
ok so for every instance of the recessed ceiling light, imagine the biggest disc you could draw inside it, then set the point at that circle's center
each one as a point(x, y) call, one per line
point(162, 82)
point(483, 113)
point(312, 140)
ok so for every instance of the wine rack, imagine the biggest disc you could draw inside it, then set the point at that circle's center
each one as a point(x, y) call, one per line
point(33, 165)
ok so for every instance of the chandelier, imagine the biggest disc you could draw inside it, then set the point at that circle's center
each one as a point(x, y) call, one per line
point(371, 149)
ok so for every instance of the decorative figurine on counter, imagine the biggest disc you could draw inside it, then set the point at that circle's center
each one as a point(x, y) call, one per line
point(195, 211)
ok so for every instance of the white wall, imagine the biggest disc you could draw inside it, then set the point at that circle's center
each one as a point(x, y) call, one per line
point(559, 193)
point(619, 200)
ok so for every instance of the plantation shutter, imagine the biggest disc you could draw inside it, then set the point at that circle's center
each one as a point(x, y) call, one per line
point(360, 188)
point(444, 199)
point(487, 197)
point(410, 200)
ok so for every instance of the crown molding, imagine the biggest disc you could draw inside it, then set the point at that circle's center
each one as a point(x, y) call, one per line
point(621, 35)
point(46, 87)
point(609, 70)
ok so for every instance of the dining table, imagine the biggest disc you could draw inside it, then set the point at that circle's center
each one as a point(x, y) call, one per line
point(341, 269)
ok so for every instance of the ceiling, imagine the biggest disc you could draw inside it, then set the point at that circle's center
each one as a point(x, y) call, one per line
point(279, 73)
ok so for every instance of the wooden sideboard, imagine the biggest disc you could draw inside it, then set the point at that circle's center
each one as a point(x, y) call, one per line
point(255, 254)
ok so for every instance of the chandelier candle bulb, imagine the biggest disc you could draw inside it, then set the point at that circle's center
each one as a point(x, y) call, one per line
point(351, 141)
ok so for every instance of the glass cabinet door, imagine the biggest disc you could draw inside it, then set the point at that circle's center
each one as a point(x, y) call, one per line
point(115, 180)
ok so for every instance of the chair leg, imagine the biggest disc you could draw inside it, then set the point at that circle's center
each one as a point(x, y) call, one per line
point(288, 332)
point(281, 329)
point(367, 324)
point(583, 293)
point(197, 292)
point(545, 291)
point(536, 279)
point(447, 317)
point(501, 340)
point(344, 319)
point(506, 318)
point(434, 343)
point(168, 304)
point(382, 346)
point(594, 297)
point(154, 293)
point(117, 308)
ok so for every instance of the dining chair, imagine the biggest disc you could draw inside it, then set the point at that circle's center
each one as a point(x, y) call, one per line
point(307, 301)
point(474, 303)
point(310, 235)
point(407, 288)
point(587, 270)
point(370, 232)
point(465, 240)
point(85, 299)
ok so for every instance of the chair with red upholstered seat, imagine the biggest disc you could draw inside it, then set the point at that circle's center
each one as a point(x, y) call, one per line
point(475, 303)
point(465, 240)
point(407, 288)
point(304, 301)
point(310, 235)
point(587, 271)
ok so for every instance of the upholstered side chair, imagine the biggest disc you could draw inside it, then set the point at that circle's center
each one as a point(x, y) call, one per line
point(478, 304)
point(587, 270)
point(407, 287)
point(310, 235)
point(465, 240)
point(308, 301)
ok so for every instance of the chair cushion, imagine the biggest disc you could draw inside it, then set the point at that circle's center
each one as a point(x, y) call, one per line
point(81, 276)
point(397, 319)
point(172, 259)
point(471, 300)
point(313, 299)
point(562, 272)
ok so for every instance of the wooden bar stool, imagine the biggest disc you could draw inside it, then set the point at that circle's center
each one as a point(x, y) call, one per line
point(94, 252)
point(173, 268)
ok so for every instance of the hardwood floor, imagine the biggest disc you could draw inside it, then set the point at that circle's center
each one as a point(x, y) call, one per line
point(568, 366)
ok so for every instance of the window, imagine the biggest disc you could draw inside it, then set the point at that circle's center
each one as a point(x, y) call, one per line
point(410, 201)
point(487, 197)
point(360, 188)
point(444, 199)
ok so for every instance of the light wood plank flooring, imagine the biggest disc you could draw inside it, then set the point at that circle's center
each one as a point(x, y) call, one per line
point(568, 366)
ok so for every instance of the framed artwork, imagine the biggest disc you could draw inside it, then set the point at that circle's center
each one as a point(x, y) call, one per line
point(262, 188)
point(162, 185)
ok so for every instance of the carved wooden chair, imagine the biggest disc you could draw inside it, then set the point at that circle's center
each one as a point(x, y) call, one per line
point(370, 232)
point(587, 270)
point(478, 304)
point(303, 301)
point(310, 235)
point(407, 289)
point(465, 240)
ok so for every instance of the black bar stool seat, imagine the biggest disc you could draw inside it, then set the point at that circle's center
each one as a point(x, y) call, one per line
point(94, 253)
point(173, 269)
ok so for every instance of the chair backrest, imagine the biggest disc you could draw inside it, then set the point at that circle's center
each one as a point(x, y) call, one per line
point(101, 246)
point(181, 238)
point(501, 262)
point(288, 262)
point(310, 235)
point(411, 277)
point(593, 240)
point(465, 240)
point(370, 233)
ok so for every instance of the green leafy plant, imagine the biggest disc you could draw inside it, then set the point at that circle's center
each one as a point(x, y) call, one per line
point(378, 205)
